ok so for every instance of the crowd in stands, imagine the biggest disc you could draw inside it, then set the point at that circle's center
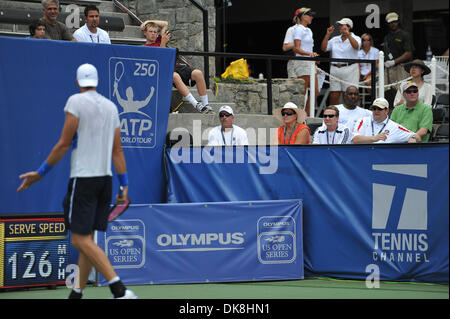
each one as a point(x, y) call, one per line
point(342, 123)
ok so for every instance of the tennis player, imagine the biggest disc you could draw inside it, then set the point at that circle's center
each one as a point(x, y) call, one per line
point(92, 129)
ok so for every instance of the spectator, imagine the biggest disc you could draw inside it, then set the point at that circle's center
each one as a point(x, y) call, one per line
point(90, 32)
point(417, 69)
point(184, 75)
point(414, 115)
point(294, 131)
point(37, 30)
point(303, 46)
point(378, 128)
point(288, 44)
point(398, 48)
point(156, 33)
point(343, 46)
point(331, 132)
point(367, 52)
point(349, 111)
point(227, 134)
point(55, 30)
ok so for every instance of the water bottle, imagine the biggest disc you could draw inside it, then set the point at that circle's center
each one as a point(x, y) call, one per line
point(261, 76)
point(429, 54)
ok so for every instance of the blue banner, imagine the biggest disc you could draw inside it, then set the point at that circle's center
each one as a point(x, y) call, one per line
point(382, 205)
point(36, 79)
point(206, 242)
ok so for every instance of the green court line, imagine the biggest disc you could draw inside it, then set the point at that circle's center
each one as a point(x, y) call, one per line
point(311, 288)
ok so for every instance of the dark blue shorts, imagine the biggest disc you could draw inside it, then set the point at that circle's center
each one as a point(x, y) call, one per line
point(87, 204)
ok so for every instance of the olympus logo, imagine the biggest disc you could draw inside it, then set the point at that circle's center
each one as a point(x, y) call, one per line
point(181, 241)
point(276, 224)
point(125, 228)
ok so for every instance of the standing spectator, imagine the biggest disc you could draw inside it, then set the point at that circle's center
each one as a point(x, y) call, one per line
point(37, 30)
point(288, 45)
point(378, 128)
point(414, 115)
point(350, 112)
point(343, 46)
point(398, 49)
point(417, 69)
point(294, 130)
point(55, 30)
point(367, 52)
point(303, 46)
point(184, 74)
point(95, 121)
point(332, 132)
point(227, 134)
point(90, 32)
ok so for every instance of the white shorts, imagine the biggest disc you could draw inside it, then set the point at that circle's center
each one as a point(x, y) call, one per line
point(349, 74)
point(298, 68)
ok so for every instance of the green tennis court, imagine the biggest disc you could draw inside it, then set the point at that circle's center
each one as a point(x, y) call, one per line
point(311, 288)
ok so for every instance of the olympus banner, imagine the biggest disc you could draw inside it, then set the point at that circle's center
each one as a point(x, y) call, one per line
point(383, 205)
point(206, 242)
point(33, 95)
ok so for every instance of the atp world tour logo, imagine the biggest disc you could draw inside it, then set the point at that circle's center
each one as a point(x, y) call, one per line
point(400, 236)
point(133, 87)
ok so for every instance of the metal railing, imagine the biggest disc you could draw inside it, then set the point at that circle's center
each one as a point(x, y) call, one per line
point(270, 58)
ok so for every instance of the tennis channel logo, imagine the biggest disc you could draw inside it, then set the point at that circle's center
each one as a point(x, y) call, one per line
point(133, 88)
point(400, 236)
point(276, 240)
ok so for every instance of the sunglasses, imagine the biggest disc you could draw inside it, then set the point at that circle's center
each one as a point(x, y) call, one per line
point(224, 114)
point(411, 91)
point(330, 116)
point(375, 108)
point(283, 113)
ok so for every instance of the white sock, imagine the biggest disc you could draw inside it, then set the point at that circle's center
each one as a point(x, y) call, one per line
point(191, 99)
point(115, 279)
point(79, 291)
point(204, 99)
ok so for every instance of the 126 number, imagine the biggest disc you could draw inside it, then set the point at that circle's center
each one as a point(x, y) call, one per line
point(44, 265)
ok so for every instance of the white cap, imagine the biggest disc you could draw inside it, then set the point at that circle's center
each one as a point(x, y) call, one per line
point(227, 109)
point(381, 103)
point(391, 17)
point(87, 75)
point(346, 21)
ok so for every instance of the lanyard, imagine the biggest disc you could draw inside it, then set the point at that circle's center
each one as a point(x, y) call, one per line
point(293, 130)
point(223, 137)
point(332, 140)
point(92, 39)
point(373, 133)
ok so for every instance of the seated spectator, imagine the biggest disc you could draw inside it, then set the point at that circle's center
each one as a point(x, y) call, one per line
point(37, 30)
point(378, 128)
point(293, 130)
point(344, 46)
point(184, 74)
point(331, 132)
point(417, 69)
point(367, 52)
point(90, 32)
point(227, 134)
point(55, 30)
point(414, 115)
point(350, 112)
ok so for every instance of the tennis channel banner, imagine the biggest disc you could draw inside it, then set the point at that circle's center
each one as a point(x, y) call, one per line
point(368, 209)
point(206, 242)
point(38, 76)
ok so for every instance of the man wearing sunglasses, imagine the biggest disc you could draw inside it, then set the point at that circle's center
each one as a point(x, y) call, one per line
point(227, 134)
point(414, 115)
point(331, 132)
point(379, 128)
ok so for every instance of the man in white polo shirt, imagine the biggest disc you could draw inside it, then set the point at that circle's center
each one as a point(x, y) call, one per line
point(90, 32)
point(380, 129)
point(343, 46)
point(227, 134)
point(331, 132)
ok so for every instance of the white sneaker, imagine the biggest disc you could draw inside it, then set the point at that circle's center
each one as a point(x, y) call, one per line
point(128, 295)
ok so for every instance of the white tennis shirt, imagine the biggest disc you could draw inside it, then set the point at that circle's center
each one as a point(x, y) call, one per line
point(92, 146)
point(84, 35)
point(368, 127)
point(236, 137)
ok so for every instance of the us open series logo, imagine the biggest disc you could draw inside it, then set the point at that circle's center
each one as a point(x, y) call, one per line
point(133, 87)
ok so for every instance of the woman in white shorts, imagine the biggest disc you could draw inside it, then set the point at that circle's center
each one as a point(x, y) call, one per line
point(303, 46)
